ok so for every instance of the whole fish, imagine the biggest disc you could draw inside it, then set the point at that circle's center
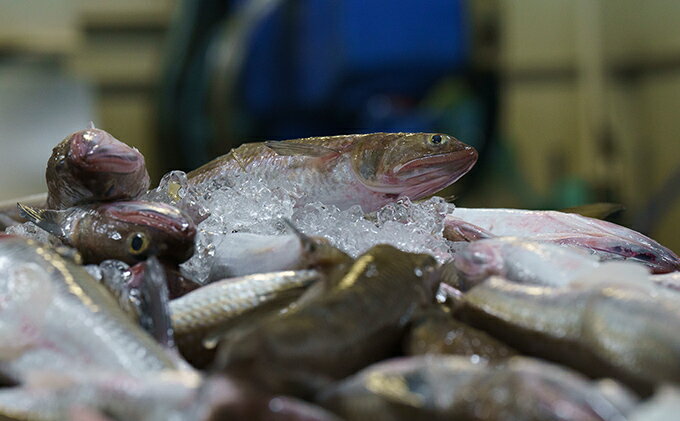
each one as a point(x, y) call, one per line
point(56, 317)
point(439, 387)
point(357, 321)
point(125, 231)
point(606, 240)
point(523, 261)
point(613, 329)
point(370, 170)
point(436, 332)
point(91, 166)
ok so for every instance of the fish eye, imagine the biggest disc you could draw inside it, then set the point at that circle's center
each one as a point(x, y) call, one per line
point(137, 243)
point(436, 139)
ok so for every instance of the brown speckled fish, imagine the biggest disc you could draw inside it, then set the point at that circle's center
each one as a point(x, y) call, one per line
point(358, 320)
point(370, 170)
point(90, 166)
point(126, 231)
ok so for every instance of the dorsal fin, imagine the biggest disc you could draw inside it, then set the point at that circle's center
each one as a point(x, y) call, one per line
point(300, 149)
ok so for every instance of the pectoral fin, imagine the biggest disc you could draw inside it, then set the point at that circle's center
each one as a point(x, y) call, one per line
point(300, 149)
point(49, 220)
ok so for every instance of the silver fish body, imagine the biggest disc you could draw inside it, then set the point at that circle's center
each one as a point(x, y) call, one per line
point(62, 318)
point(523, 261)
point(622, 330)
point(606, 240)
point(212, 305)
point(438, 387)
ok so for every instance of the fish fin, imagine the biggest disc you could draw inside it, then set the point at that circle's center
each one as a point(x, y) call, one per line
point(300, 149)
point(155, 301)
point(307, 242)
point(47, 219)
point(596, 210)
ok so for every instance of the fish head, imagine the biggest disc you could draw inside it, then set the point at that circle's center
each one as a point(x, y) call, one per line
point(411, 164)
point(133, 231)
point(479, 260)
point(98, 166)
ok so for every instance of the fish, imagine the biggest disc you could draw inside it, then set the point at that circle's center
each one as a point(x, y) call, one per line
point(57, 396)
point(92, 166)
point(229, 399)
point(522, 261)
point(435, 331)
point(663, 406)
point(444, 387)
point(369, 170)
point(359, 319)
point(242, 253)
point(606, 240)
point(623, 329)
point(54, 316)
point(212, 305)
point(667, 280)
point(126, 231)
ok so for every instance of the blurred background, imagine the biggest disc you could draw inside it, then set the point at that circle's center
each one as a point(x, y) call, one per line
point(568, 101)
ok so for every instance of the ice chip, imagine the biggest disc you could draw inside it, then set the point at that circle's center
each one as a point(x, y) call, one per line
point(248, 205)
point(174, 189)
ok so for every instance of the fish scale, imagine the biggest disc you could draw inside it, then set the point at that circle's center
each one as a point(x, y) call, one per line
point(220, 301)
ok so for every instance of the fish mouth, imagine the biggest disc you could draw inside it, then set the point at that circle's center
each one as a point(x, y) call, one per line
point(100, 152)
point(155, 215)
point(427, 175)
point(421, 177)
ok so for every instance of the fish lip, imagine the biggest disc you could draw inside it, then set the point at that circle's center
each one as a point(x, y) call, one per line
point(155, 215)
point(99, 152)
point(464, 159)
point(441, 170)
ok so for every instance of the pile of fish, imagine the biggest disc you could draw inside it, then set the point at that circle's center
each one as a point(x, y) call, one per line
point(313, 279)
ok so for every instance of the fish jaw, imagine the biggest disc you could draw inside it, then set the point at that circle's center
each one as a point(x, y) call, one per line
point(172, 232)
point(94, 150)
point(426, 175)
point(479, 261)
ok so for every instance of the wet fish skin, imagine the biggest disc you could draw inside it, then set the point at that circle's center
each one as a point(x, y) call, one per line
point(90, 166)
point(366, 169)
point(364, 317)
point(442, 387)
point(57, 396)
point(231, 400)
point(621, 330)
point(522, 261)
point(241, 254)
point(126, 231)
point(69, 319)
point(435, 331)
point(604, 239)
point(212, 305)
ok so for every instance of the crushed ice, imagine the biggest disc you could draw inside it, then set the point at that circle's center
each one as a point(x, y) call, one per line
point(31, 231)
point(248, 204)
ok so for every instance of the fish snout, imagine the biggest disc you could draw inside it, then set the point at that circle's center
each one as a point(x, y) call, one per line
point(95, 150)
